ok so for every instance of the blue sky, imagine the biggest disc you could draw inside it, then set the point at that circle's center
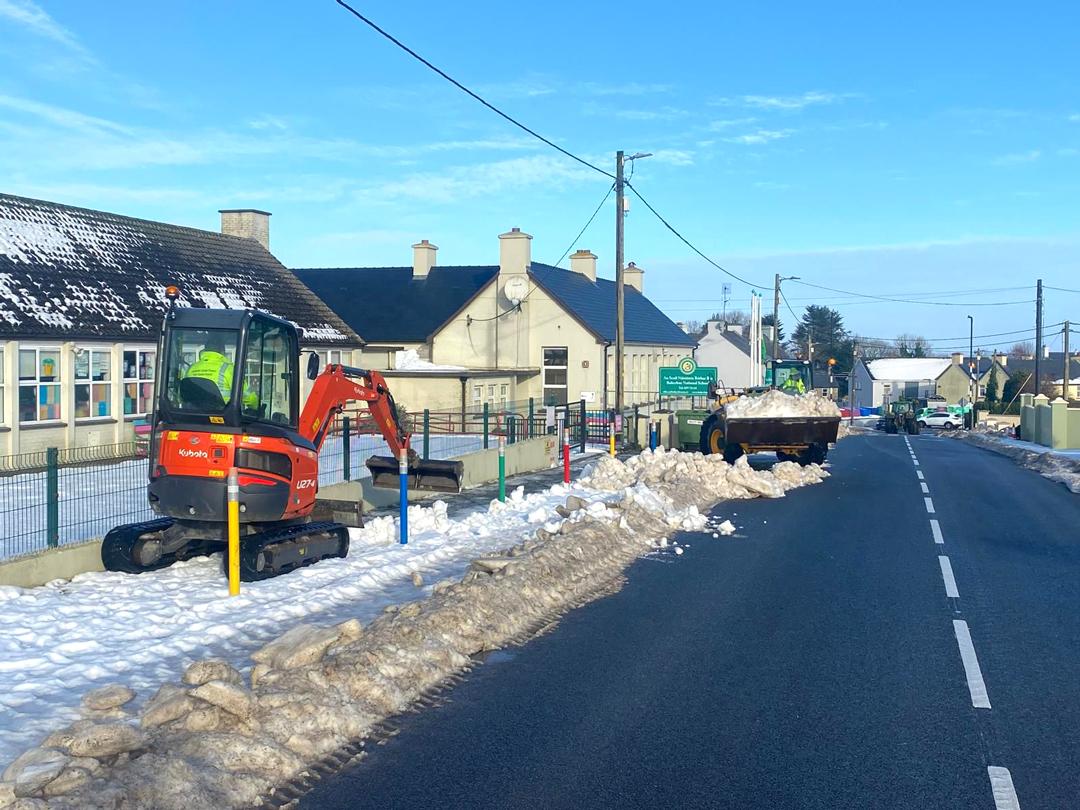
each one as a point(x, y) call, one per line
point(923, 149)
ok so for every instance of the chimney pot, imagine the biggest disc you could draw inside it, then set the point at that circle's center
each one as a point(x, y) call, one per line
point(958, 358)
point(633, 277)
point(247, 223)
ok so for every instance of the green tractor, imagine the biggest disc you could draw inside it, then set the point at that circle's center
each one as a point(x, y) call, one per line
point(901, 417)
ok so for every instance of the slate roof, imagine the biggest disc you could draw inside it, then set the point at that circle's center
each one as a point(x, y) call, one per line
point(593, 304)
point(1049, 368)
point(386, 304)
point(78, 273)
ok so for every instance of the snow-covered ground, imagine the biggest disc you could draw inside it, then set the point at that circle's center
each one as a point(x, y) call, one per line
point(60, 640)
point(94, 498)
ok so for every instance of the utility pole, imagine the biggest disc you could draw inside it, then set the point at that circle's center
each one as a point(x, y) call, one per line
point(1038, 333)
point(1065, 376)
point(619, 291)
point(776, 318)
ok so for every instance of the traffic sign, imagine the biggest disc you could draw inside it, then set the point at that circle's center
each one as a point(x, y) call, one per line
point(687, 379)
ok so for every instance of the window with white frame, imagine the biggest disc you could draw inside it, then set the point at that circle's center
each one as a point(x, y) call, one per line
point(93, 389)
point(554, 374)
point(330, 357)
point(477, 395)
point(503, 389)
point(39, 384)
point(139, 365)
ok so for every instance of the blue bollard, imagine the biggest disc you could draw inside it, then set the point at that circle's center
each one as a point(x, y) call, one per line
point(403, 468)
point(652, 435)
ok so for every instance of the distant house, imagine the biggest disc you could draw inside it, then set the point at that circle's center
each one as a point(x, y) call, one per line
point(727, 347)
point(81, 302)
point(501, 333)
point(890, 379)
point(1051, 369)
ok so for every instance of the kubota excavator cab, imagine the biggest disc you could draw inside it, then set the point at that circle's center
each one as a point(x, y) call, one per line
point(228, 396)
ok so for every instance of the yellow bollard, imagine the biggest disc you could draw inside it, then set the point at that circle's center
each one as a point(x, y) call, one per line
point(611, 436)
point(234, 533)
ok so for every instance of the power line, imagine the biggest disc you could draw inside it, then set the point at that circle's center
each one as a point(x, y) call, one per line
point(912, 301)
point(469, 92)
point(586, 226)
point(784, 298)
point(686, 241)
point(1060, 289)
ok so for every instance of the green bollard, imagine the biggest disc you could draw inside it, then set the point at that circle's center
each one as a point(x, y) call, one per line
point(346, 456)
point(502, 469)
point(427, 433)
point(532, 410)
point(52, 497)
point(485, 426)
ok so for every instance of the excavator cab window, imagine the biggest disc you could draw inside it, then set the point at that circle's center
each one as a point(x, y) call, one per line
point(199, 369)
point(270, 373)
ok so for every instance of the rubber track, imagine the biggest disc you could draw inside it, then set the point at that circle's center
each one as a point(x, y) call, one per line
point(252, 544)
point(118, 543)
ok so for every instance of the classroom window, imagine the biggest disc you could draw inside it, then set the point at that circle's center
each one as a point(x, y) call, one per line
point(39, 384)
point(477, 395)
point(139, 366)
point(556, 359)
point(93, 390)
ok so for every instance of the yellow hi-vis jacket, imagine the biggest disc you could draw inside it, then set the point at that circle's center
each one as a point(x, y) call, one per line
point(216, 367)
point(794, 385)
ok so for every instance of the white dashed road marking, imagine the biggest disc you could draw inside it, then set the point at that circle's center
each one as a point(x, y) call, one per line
point(976, 685)
point(935, 527)
point(919, 473)
point(925, 488)
point(947, 575)
point(1004, 792)
point(929, 505)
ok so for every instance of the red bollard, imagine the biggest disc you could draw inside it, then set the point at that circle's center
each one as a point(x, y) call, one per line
point(566, 456)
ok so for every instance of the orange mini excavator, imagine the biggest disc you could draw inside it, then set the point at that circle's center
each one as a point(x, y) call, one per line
point(227, 396)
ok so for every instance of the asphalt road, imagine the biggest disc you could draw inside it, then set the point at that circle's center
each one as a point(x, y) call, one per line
point(811, 661)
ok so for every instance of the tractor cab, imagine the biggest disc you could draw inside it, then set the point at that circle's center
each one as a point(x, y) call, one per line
point(232, 368)
point(793, 376)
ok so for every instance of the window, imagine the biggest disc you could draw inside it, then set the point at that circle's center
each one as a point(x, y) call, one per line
point(39, 384)
point(330, 357)
point(503, 389)
point(93, 370)
point(139, 368)
point(477, 395)
point(268, 374)
point(554, 375)
point(199, 372)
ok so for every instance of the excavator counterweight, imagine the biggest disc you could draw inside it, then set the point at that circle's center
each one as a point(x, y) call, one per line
point(227, 396)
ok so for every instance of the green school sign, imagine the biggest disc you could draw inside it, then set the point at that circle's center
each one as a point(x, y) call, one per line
point(687, 379)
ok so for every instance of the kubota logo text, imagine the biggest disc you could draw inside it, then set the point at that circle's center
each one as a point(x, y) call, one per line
point(185, 453)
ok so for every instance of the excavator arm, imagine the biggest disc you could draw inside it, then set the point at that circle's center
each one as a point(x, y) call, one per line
point(339, 385)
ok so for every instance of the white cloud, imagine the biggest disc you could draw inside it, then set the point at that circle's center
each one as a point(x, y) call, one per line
point(660, 114)
point(61, 116)
point(808, 99)
point(36, 20)
point(728, 123)
point(625, 89)
point(673, 157)
point(1075, 117)
point(1018, 158)
point(761, 136)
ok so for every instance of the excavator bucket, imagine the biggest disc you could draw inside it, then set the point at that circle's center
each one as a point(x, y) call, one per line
point(426, 474)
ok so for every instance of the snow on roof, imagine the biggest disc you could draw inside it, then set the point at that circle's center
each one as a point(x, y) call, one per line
point(908, 368)
point(88, 274)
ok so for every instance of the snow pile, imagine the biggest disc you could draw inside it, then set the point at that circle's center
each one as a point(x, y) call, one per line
point(1057, 466)
point(218, 739)
point(776, 403)
point(409, 360)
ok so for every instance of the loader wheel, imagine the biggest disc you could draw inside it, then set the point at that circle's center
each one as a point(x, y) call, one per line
point(814, 454)
point(712, 436)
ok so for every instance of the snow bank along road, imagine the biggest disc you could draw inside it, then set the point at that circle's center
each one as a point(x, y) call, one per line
point(220, 744)
point(848, 647)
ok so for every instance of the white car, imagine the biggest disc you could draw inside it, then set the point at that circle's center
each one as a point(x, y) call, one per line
point(942, 419)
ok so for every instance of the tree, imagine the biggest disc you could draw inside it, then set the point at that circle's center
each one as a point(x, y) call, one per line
point(1019, 382)
point(1025, 349)
point(908, 345)
point(992, 387)
point(873, 348)
point(767, 320)
point(822, 329)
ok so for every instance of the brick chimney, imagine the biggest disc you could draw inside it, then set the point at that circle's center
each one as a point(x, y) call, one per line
point(584, 262)
point(633, 276)
point(423, 258)
point(247, 223)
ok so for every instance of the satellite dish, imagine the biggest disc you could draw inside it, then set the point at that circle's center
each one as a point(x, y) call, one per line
point(515, 289)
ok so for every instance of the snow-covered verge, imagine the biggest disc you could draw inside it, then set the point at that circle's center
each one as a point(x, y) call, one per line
point(1063, 467)
point(213, 742)
point(776, 403)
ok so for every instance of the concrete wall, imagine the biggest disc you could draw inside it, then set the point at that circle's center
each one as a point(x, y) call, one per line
point(54, 563)
point(1051, 424)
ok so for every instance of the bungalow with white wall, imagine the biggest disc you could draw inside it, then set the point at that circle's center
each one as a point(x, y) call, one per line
point(893, 378)
point(502, 333)
point(82, 294)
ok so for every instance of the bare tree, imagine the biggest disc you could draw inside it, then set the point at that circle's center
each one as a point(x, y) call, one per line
point(908, 345)
point(734, 316)
point(873, 348)
point(1025, 349)
point(693, 327)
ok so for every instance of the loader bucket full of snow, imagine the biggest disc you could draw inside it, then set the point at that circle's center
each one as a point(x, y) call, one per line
point(426, 474)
